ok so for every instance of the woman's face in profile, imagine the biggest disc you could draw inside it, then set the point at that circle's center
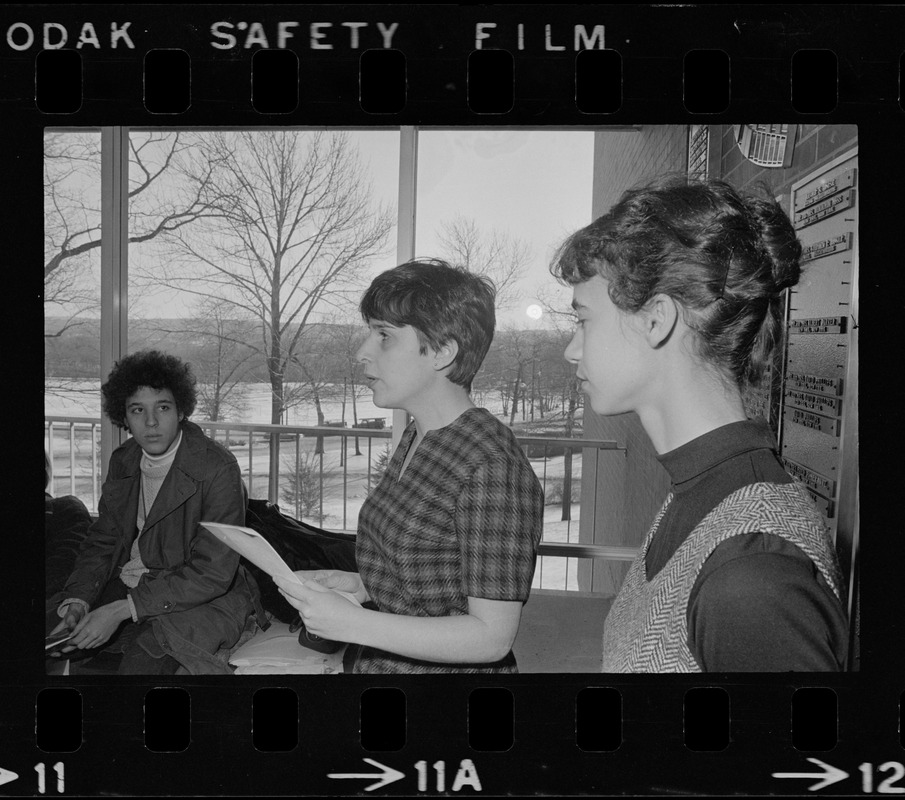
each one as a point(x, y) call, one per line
point(394, 367)
point(608, 350)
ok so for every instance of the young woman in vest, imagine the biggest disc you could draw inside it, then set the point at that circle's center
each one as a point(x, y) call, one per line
point(447, 540)
point(678, 295)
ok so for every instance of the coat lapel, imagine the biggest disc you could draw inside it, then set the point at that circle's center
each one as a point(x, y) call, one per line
point(177, 489)
point(183, 478)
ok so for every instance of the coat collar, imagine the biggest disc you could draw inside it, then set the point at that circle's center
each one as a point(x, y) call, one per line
point(189, 457)
point(186, 472)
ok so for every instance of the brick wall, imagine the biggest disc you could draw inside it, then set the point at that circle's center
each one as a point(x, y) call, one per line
point(623, 159)
point(814, 145)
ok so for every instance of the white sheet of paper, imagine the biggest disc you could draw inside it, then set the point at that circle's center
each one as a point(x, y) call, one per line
point(249, 543)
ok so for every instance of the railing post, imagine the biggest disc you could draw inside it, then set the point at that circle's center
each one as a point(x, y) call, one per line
point(345, 441)
point(251, 463)
point(321, 507)
point(94, 443)
point(273, 482)
point(50, 454)
point(72, 458)
point(298, 476)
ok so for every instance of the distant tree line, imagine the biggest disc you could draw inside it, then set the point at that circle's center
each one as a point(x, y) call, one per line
point(524, 370)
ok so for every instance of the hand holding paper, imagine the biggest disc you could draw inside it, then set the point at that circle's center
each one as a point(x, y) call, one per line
point(327, 613)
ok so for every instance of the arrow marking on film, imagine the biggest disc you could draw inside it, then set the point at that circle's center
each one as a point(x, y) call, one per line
point(829, 776)
point(387, 775)
point(6, 776)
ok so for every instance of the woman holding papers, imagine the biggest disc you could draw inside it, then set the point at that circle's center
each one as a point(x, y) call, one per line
point(447, 541)
point(149, 584)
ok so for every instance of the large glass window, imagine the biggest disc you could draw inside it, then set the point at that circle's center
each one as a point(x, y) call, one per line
point(72, 307)
point(247, 253)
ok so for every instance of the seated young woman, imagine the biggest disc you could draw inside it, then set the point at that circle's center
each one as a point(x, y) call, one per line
point(447, 540)
point(149, 583)
point(678, 294)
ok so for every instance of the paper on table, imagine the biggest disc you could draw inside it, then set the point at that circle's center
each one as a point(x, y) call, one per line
point(249, 543)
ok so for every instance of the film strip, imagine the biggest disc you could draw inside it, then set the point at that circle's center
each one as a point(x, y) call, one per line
point(833, 73)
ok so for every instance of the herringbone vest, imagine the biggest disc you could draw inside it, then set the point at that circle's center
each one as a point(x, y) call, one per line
point(647, 627)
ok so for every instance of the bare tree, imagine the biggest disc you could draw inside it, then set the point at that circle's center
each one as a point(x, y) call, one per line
point(293, 228)
point(494, 254)
point(72, 214)
point(220, 356)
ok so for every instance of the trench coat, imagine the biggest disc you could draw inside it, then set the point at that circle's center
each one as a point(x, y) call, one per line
point(196, 595)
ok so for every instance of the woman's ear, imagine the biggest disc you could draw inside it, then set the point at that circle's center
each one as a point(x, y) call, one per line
point(659, 317)
point(446, 355)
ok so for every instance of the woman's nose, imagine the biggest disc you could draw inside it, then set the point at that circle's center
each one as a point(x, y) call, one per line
point(572, 353)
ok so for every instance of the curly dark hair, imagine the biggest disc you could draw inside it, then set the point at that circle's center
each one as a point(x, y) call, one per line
point(148, 368)
point(723, 256)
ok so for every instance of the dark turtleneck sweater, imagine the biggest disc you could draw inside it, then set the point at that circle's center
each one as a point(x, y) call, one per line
point(759, 603)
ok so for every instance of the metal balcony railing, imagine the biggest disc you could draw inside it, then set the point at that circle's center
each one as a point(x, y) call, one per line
point(322, 474)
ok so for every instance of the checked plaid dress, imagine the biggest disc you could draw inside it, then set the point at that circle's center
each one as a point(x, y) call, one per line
point(464, 520)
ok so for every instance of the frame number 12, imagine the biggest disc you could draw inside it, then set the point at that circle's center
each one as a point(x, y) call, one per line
point(886, 785)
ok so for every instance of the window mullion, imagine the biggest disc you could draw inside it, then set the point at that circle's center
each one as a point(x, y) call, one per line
point(114, 265)
point(405, 240)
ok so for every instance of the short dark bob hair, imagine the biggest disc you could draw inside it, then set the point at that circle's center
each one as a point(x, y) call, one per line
point(148, 368)
point(442, 303)
point(723, 256)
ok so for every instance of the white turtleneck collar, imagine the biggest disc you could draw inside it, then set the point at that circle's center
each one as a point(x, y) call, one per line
point(164, 459)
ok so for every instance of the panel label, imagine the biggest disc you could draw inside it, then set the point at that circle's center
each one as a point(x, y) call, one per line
point(814, 383)
point(828, 406)
point(818, 325)
point(829, 207)
point(814, 421)
point(812, 480)
point(845, 180)
point(826, 247)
